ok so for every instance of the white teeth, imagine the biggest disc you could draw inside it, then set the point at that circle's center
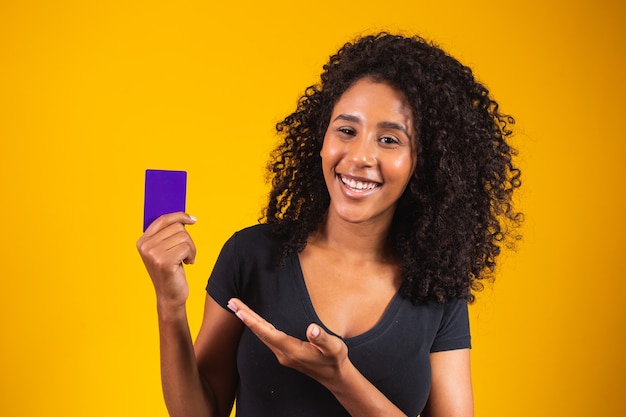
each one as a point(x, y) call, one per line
point(358, 185)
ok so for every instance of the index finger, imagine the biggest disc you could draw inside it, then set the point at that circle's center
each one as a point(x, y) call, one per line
point(167, 220)
point(264, 330)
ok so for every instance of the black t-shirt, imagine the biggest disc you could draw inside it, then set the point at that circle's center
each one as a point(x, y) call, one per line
point(393, 355)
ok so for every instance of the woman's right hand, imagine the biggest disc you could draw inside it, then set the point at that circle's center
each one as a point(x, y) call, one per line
point(165, 247)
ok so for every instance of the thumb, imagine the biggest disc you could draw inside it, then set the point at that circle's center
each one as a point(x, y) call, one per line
point(318, 338)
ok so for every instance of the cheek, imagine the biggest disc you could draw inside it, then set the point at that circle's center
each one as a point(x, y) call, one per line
point(327, 160)
point(403, 167)
point(330, 152)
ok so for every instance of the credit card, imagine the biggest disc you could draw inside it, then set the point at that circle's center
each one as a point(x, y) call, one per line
point(165, 192)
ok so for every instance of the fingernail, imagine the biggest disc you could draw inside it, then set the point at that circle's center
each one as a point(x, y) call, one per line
point(193, 219)
point(315, 331)
point(232, 306)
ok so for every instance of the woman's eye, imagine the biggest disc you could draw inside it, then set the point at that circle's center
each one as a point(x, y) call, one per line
point(389, 140)
point(347, 131)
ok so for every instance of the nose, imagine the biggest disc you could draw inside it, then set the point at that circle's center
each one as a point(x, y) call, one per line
point(362, 151)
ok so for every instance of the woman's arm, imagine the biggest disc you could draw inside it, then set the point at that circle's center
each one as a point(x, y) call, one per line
point(451, 390)
point(191, 387)
point(200, 379)
point(324, 358)
point(216, 353)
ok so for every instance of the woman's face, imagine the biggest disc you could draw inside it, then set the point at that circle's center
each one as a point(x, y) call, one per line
point(368, 154)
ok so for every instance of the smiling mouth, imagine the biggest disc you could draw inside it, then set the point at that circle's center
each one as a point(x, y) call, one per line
point(357, 185)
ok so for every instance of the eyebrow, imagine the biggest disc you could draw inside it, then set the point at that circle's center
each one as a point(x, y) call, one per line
point(388, 125)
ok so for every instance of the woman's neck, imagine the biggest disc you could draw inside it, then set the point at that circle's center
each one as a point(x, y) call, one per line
point(368, 240)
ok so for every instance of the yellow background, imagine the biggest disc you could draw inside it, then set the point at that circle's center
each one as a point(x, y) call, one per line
point(92, 93)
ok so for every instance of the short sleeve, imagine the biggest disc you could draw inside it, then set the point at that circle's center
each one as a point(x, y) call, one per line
point(454, 330)
point(224, 279)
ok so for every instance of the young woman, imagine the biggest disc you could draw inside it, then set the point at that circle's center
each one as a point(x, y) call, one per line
point(391, 196)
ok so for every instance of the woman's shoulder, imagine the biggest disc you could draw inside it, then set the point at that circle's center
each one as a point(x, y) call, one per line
point(257, 233)
point(258, 238)
point(255, 248)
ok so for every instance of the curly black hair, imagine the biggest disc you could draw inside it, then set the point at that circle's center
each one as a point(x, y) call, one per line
point(457, 211)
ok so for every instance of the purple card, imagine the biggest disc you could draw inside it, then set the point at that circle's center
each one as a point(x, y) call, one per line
point(165, 193)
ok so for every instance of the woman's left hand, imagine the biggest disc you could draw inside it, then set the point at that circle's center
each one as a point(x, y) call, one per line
point(322, 357)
